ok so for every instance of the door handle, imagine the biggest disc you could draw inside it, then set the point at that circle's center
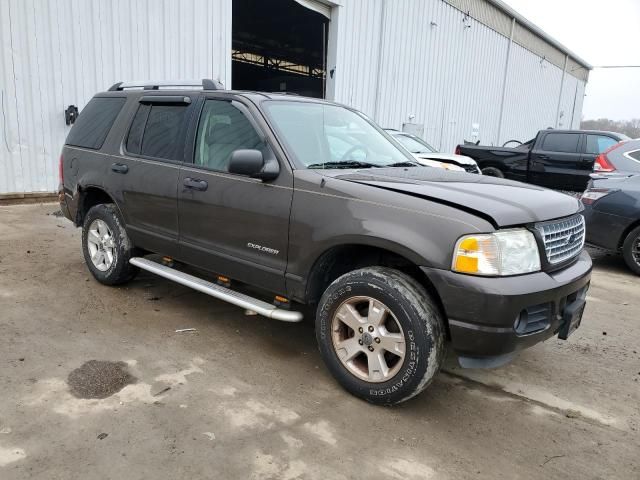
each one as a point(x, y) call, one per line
point(195, 184)
point(543, 157)
point(119, 168)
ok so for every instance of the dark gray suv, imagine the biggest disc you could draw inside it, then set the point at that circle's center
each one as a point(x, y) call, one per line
point(311, 203)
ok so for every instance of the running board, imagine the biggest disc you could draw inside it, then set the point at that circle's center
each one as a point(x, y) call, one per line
point(217, 291)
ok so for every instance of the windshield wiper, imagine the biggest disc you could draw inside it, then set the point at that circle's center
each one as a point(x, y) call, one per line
point(404, 164)
point(343, 164)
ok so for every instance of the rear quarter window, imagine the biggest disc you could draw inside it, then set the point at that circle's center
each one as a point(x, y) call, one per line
point(94, 122)
point(635, 155)
point(561, 142)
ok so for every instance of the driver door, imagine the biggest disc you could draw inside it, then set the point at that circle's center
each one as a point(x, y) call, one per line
point(232, 224)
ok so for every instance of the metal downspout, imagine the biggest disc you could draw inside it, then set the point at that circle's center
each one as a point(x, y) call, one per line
point(504, 81)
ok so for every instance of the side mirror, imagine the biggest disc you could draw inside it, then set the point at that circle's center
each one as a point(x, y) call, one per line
point(252, 164)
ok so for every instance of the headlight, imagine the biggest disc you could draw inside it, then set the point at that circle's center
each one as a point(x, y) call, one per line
point(506, 252)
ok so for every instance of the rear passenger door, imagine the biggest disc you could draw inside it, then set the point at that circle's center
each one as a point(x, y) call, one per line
point(232, 224)
point(153, 150)
point(555, 162)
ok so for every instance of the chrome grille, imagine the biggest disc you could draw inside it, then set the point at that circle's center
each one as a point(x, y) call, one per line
point(563, 239)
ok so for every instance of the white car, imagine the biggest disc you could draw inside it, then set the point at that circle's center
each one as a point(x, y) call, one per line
point(425, 154)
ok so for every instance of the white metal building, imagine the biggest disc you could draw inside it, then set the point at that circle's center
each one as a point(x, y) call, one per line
point(449, 70)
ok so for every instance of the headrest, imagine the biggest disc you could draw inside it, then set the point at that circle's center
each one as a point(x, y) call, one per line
point(219, 133)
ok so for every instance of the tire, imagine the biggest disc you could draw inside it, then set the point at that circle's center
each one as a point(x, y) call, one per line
point(410, 315)
point(493, 172)
point(105, 239)
point(631, 250)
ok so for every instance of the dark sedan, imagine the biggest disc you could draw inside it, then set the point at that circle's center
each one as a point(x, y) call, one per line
point(612, 213)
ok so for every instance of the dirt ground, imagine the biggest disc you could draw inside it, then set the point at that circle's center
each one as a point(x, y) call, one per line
point(247, 397)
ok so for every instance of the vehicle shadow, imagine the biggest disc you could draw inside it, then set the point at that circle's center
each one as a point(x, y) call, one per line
point(609, 262)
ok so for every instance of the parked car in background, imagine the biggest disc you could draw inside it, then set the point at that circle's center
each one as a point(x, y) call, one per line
point(395, 259)
point(619, 160)
point(425, 154)
point(558, 159)
point(612, 214)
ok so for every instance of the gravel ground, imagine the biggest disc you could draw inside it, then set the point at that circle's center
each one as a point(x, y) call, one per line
point(246, 397)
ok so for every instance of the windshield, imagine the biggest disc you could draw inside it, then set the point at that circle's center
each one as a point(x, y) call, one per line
point(330, 136)
point(414, 144)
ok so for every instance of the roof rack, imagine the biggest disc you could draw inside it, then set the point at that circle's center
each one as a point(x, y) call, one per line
point(205, 83)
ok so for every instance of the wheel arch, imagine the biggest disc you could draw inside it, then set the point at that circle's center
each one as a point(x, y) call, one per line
point(337, 260)
point(627, 231)
point(90, 196)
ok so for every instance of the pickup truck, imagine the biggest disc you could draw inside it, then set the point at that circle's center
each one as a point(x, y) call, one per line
point(557, 159)
point(318, 210)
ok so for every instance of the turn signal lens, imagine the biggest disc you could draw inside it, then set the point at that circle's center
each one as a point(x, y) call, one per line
point(507, 252)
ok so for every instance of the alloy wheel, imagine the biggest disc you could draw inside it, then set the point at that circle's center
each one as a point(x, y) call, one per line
point(635, 250)
point(368, 339)
point(101, 245)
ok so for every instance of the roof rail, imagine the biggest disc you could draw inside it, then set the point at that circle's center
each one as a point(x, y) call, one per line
point(205, 83)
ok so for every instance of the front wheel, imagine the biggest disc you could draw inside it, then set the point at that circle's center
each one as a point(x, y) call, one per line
point(631, 250)
point(493, 172)
point(380, 335)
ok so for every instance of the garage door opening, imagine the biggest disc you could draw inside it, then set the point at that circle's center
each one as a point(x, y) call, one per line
point(279, 46)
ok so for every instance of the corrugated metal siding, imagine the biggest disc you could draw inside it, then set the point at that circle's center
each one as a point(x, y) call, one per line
point(486, 13)
point(532, 95)
point(446, 76)
point(11, 175)
point(532, 42)
point(357, 55)
point(61, 52)
point(497, 19)
point(571, 103)
point(453, 76)
point(577, 70)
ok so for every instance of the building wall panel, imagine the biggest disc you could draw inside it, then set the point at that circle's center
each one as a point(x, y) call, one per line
point(443, 70)
point(61, 52)
point(357, 37)
point(531, 101)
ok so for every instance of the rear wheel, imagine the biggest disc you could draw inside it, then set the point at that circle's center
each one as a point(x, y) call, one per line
point(493, 172)
point(106, 245)
point(380, 335)
point(631, 250)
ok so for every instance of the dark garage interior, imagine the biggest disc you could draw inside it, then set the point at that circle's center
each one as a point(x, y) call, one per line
point(278, 46)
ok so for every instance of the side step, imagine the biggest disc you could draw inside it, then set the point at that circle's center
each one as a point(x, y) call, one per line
point(217, 291)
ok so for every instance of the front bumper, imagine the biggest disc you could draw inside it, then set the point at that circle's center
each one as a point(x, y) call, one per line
point(486, 315)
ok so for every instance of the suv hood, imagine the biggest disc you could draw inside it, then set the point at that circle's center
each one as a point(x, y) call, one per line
point(503, 202)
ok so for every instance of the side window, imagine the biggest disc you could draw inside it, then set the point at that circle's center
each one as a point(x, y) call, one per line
point(134, 139)
point(222, 130)
point(161, 137)
point(94, 122)
point(561, 142)
point(596, 144)
point(635, 155)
